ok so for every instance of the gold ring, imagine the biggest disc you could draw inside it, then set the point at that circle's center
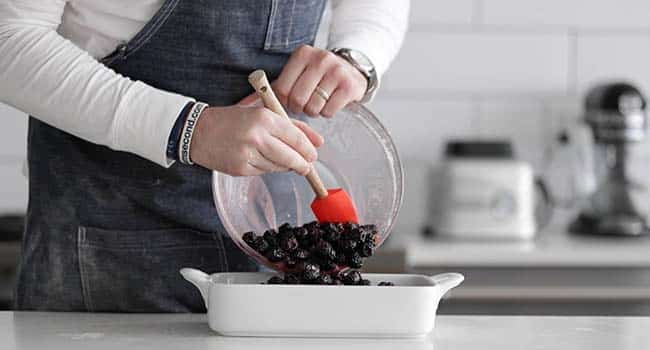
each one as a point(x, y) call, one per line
point(322, 93)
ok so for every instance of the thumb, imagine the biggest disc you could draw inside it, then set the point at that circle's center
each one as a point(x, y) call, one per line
point(249, 100)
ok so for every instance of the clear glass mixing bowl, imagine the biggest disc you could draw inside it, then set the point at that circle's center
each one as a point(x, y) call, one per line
point(358, 156)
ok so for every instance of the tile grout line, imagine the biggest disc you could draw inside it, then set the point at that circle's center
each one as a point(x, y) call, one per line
point(572, 74)
point(477, 14)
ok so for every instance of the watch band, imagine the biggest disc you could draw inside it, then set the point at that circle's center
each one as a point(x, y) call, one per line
point(366, 68)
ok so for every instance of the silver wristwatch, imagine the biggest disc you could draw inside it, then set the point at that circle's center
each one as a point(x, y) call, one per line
point(362, 63)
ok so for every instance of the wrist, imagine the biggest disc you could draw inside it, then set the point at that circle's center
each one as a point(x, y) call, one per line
point(364, 66)
point(188, 131)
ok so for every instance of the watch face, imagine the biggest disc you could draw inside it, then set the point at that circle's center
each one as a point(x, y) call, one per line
point(361, 59)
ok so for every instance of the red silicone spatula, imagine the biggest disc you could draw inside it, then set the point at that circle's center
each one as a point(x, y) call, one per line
point(333, 205)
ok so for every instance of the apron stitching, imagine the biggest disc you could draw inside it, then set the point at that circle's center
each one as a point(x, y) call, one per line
point(293, 9)
point(154, 27)
point(81, 238)
point(143, 36)
point(222, 251)
point(271, 28)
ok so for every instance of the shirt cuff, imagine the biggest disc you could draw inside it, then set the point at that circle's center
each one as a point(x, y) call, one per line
point(175, 134)
point(145, 120)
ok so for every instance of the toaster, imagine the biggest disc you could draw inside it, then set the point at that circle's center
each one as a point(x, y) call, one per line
point(483, 192)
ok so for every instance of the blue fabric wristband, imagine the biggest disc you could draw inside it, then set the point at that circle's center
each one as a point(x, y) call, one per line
point(175, 135)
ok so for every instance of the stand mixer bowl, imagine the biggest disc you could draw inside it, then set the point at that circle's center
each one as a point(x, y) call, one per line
point(358, 156)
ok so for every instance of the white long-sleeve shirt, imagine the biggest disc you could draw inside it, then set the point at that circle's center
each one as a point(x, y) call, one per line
point(49, 51)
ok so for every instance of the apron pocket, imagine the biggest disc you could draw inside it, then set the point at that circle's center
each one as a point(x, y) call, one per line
point(292, 23)
point(137, 271)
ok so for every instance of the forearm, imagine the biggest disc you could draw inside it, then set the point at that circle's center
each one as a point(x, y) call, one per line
point(374, 27)
point(50, 78)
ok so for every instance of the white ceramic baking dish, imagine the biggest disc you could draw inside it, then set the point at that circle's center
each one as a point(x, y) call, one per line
point(239, 305)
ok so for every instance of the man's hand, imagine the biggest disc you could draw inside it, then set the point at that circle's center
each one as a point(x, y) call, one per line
point(310, 69)
point(245, 141)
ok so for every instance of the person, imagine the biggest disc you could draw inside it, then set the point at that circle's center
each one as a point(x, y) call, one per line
point(134, 103)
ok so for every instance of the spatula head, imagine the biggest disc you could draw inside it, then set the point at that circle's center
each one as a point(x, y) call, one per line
point(336, 207)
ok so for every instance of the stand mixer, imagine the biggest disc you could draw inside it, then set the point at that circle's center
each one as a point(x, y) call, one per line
point(616, 115)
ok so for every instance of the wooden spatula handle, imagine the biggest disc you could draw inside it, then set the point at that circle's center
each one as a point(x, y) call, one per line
point(261, 84)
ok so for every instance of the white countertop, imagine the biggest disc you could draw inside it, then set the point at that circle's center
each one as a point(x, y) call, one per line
point(549, 249)
point(68, 331)
point(553, 247)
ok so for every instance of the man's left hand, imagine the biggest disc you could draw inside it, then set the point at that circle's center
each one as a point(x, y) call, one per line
point(317, 82)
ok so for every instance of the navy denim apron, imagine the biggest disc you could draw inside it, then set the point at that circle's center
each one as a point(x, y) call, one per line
point(108, 230)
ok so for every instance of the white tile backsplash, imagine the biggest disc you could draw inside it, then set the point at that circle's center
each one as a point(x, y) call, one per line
point(613, 57)
point(522, 122)
point(481, 63)
point(571, 13)
point(13, 134)
point(421, 127)
point(13, 187)
point(426, 12)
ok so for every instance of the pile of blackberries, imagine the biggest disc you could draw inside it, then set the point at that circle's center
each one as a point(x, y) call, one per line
point(317, 253)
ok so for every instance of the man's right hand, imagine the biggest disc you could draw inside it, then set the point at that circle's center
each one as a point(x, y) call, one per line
point(245, 141)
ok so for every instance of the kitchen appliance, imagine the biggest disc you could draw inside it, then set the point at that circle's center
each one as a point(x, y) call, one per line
point(239, 305)
point(616, 115)
point(483, 192)
point(358, 156)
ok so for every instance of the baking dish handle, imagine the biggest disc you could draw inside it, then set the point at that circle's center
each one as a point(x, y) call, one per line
point(200, 280)
point(447, 281)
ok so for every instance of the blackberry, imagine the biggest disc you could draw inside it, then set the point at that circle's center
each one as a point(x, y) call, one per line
point(249, 238)
point(312, 224)
point(364, 282)
point(291, 263)
point(331, 232)
point(308, 237)
point(349, 226)
point(340, 259)
point(310, 272)
point(348, 246)
point(301, 254)
point(291, 279)
point(260, 245)
point(301, 234)
point(284, 227)
point(354, 234)
point(355, 261)
point(289, 244)
point(324, 250)
point(271, 237)
point(386, 284)
point(370, 229)
point(371, 240)
point(369, 233)
point(325, 279)
point(313, 228)
point(276, 255)
point(275, 280)
point(365, 249)
point(351, 277)
point(327, 265)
